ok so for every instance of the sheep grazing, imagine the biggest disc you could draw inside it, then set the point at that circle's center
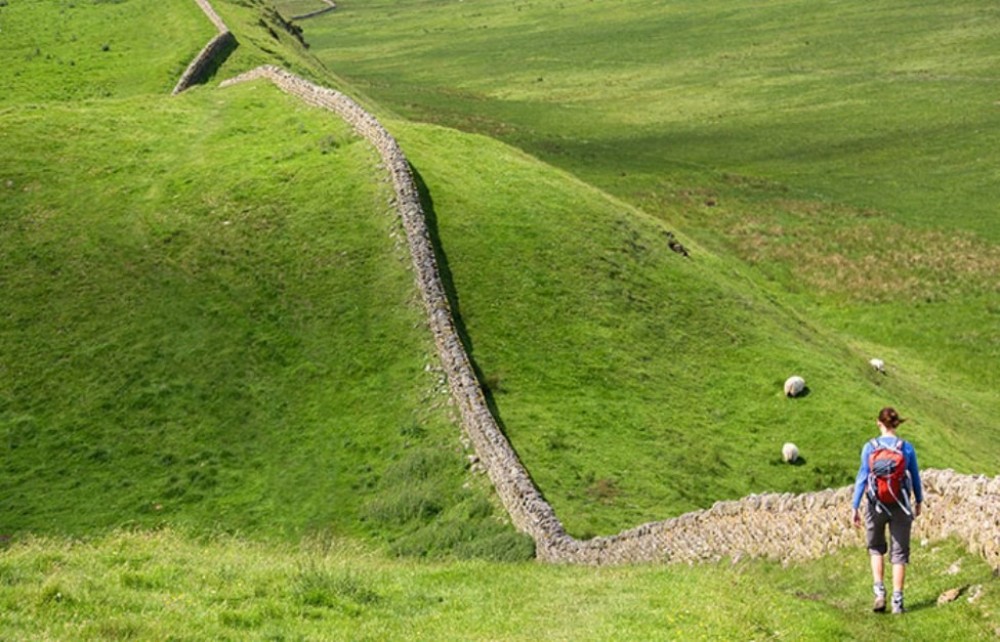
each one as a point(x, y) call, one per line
point(794, 386)
point(790, 452)
point(878, 364)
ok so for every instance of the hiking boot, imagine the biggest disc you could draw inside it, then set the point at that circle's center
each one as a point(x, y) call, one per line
point(879, 606)
point(897, 606)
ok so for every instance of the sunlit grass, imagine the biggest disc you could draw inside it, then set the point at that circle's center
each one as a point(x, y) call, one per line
point(637, 383)
point(60, 50)
point(840, 154)
point(210, 336)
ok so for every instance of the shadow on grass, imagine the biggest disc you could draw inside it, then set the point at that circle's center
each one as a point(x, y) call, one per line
point(920, 606)
point(427, 202)
point(207, 71)
point(447, 282)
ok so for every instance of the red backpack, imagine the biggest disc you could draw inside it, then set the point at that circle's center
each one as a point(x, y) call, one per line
point(887, 475)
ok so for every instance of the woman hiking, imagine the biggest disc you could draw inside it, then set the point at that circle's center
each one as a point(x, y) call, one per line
point(887, 476)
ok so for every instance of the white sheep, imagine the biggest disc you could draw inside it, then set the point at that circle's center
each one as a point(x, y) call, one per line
point(790, 452)
point(878, 364)
point(794, 386)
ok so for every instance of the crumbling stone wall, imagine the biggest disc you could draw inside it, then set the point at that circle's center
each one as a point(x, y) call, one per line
point(776, 526)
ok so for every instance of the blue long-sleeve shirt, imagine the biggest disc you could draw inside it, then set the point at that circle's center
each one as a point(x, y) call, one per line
point(911, 465)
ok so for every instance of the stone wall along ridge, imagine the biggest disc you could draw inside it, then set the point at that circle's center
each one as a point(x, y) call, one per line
point(522, 500)
point(209, 11)
point(330, 6)
point(528, 510)
point(777, 526)
point(222, 42)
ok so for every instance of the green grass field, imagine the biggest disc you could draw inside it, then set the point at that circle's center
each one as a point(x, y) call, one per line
point(838, 143)
point(635, 383)
point(874, 105)
point(75, 51)
point(219, 401)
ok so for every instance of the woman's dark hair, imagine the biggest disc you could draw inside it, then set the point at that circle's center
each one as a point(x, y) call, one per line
point(889, 418)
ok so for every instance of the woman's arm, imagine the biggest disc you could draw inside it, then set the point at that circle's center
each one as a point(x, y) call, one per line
point(914, 469)
point(862, 479)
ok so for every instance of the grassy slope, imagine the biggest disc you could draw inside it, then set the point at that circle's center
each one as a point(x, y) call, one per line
point(206, 322)
point(821, 140)
point(64, 50)
point(229, 589)
point(622, 371)
point(635, 383)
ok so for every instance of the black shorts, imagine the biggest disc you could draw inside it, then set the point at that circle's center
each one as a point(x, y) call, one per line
point(900, 524)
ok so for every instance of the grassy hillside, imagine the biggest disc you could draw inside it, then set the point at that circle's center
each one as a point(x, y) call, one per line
point(209, 327)
point(847, 153)
point(229, 589)
point(637, 383)
point(207, 323)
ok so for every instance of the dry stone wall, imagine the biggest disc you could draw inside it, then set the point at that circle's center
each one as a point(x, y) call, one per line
point(210, 13)
point(330, 6)
point(222, 42)
point(777, 526)
point(529, 511)
point(797, 527)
